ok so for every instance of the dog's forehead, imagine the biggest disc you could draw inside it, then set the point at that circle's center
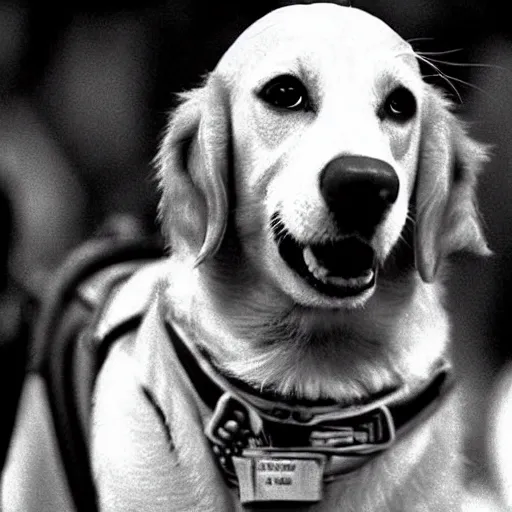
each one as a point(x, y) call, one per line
point(314, 25)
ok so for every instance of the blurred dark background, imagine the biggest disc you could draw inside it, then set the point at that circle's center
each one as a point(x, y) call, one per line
point(85, 88)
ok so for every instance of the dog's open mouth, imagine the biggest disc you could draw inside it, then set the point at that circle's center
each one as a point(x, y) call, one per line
point(339, 268)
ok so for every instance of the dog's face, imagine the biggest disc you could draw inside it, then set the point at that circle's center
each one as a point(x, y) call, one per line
point(316, 137)
point(326, 129)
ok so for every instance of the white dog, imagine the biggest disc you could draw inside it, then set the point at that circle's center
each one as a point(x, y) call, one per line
point(294, 346)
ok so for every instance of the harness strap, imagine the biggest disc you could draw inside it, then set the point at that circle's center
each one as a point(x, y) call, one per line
point(67, 353)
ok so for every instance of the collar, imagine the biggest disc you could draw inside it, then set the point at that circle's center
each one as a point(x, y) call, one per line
point(253, 437)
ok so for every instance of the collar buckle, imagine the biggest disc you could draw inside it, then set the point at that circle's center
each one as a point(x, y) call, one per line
point(360, 434)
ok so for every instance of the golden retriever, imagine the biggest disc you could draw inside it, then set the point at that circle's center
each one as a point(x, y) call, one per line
point(312, 189)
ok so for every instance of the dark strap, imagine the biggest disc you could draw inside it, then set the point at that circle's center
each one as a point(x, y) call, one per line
point(69, 361)
point(206, 388)
point(14, 338)
point(210, 392)
point(404, 413)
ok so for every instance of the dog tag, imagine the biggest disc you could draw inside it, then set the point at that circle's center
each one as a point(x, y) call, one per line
point(279, 476)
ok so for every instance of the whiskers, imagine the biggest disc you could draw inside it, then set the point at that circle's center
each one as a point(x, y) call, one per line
point(409, 227)
point(278, 227)
point(448, 79)
point(437, 65)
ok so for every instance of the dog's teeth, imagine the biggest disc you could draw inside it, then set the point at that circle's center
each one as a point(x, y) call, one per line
point(366, 277)
point(309, 258)
point(313, 266)
point(351, 282)
point(322, 274)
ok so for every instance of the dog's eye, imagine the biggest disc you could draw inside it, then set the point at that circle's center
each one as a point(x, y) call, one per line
point(400, 105)
point(286, 92)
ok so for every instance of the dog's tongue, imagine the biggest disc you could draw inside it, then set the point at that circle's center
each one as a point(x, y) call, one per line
point(346, 258)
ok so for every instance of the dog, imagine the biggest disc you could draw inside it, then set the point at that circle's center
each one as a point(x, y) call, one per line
point(295, 347)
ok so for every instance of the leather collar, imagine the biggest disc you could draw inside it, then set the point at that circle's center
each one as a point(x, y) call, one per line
point(243, 423)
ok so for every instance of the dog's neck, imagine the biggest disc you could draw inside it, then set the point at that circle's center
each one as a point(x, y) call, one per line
point(259, 336)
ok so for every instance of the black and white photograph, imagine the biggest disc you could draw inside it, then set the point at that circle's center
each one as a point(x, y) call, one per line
point(256, 256)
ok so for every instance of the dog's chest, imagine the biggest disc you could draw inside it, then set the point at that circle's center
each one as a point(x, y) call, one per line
point(150, 452)
point(155, 472)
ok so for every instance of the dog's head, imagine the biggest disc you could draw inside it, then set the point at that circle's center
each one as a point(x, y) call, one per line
point(316, 143)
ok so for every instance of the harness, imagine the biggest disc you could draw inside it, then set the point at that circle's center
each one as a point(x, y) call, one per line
point(267, 450)
point(67, 353)
point(273, 451)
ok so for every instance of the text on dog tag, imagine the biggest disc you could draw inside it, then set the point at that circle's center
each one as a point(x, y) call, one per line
point(279, 476)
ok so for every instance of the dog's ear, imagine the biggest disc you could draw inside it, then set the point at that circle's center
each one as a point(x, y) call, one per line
point(192, 166)
point(447, 218)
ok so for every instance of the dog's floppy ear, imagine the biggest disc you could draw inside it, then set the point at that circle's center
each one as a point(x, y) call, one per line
point(193, 170)
point(446, 214)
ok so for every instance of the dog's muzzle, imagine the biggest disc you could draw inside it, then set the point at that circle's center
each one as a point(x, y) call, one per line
point(358, 192)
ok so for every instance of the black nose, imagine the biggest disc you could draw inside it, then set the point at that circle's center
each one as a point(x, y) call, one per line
point(358, 191)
